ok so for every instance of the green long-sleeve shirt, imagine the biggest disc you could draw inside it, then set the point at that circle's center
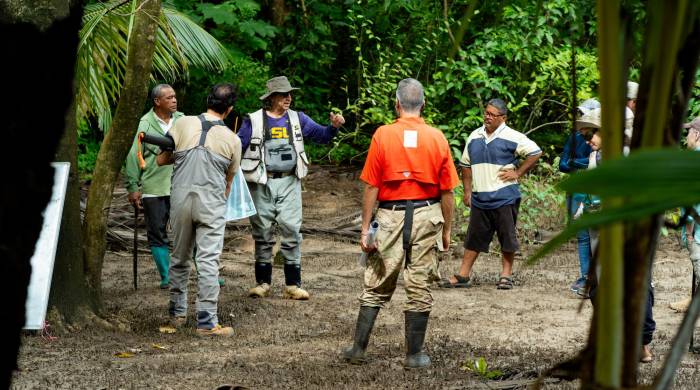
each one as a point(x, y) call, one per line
point(152, 180)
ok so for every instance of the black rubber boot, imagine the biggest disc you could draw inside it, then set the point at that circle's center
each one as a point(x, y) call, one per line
point(365, 323)
point(263, 273)
point(292, 275)
point(416, 324)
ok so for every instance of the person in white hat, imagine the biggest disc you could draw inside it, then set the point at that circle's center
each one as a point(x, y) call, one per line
point(632, 88)
point(574, 157)
point(273, 163)
point(589, 125)
point(630, 109)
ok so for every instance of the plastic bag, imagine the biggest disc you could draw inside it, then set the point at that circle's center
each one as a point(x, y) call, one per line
point(240, 204)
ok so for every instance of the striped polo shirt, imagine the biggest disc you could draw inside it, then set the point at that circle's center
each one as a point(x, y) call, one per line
point(486, 156)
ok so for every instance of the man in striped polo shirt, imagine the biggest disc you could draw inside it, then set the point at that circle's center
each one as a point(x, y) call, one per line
point(490, 172)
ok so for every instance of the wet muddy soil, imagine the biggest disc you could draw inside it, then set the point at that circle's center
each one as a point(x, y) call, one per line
point(287, 344)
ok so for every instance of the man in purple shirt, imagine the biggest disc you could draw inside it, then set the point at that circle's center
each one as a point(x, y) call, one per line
point(273, 163)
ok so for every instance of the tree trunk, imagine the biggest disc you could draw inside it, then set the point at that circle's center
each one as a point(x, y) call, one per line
point(118, 140)
point(278, 12)
point(48, 30)
point(69, 288)
point(609, 299)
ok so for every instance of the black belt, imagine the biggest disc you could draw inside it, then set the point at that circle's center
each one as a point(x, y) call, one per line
point(403, 204)
point(408, 206)
point(279, 175)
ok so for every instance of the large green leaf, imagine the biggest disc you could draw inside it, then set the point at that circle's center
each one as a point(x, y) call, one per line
point(651, 182)
point(657, 173)
point(101, 63)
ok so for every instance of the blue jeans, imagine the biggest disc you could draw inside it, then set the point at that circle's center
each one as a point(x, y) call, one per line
point(584, 239)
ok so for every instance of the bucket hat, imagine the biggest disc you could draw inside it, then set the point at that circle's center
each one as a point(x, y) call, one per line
point(694, 124)
point(277, 84)
point(589, 119)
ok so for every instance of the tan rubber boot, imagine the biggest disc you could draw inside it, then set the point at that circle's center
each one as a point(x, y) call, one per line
point(217, 330)
point(259, 291)
point(680, 306)
point(294, 292)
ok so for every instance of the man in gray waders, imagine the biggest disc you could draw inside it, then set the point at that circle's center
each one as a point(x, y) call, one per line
point(206, 157)
point(274, 162)
point(149, 184)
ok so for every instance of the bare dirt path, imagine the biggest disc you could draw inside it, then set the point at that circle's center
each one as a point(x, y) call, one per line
point(286, 344)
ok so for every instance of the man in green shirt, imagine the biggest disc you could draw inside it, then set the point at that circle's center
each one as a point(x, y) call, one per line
point(149, 184)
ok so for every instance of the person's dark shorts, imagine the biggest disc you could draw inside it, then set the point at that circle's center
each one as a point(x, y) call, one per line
point(483, 223)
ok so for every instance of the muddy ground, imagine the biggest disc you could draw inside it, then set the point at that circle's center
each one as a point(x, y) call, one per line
point(287, 344)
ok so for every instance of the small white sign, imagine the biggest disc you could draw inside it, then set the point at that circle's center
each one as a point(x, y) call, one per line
point(410, 139)
point(45, 251)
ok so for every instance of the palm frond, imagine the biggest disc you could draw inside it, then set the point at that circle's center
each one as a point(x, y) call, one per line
point(101, 63)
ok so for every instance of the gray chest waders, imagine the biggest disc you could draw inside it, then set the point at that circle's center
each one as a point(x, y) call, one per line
point(280, 154)
point(198, 204)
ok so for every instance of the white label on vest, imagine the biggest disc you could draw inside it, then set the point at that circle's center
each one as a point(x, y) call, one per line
point(410, 139)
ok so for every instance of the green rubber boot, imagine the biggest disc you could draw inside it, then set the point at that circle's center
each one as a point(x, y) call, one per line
point(161, 256)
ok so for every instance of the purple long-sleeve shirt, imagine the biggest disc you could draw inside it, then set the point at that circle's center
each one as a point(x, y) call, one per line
point(309, 129)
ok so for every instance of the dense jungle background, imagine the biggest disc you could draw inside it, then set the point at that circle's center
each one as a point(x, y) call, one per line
point(541, 57)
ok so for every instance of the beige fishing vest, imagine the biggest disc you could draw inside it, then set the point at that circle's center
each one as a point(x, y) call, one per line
point(253, 160)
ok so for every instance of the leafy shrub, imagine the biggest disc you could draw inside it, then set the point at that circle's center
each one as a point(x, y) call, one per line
point(479, 367)
point(89, 140)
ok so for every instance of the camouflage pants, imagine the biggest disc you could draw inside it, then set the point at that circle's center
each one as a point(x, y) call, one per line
point(383, 270)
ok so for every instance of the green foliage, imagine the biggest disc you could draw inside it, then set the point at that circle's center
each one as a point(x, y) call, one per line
point(479, 367)
point(694, 102)
point(248, 75)
point(102, 54)
point(542, 203)
point(89, 141)
point(235, 22)
point(351, 53)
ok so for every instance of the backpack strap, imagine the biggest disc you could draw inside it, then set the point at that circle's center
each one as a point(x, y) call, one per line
point(206, 125)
